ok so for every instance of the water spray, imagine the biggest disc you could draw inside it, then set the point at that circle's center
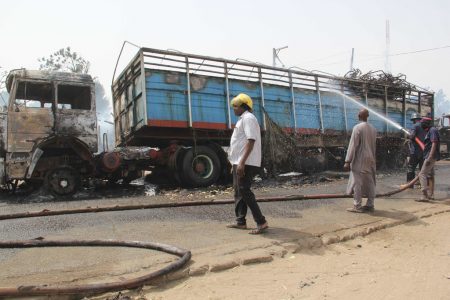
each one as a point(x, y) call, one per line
point(384, 118)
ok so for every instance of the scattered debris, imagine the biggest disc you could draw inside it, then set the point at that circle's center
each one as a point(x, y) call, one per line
point(308, 282)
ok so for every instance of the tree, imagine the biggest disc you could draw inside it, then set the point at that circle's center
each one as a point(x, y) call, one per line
point(65, 60)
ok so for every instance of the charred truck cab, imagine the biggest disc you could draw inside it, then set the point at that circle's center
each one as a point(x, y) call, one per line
point(49, 130)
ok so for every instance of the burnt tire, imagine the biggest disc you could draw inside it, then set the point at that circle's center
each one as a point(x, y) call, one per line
point(201, 168)
point(63, 181)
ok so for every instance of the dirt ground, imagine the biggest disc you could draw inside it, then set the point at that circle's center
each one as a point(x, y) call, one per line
point(411, 261)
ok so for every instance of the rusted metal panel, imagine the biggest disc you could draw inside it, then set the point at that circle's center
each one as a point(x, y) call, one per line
point(3, 126)
point(78, 123)
point(17, 164)
point(28, 127)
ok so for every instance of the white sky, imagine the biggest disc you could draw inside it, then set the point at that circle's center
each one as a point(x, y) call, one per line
point(320, 34)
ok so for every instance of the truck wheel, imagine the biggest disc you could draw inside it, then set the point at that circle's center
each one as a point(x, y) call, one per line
point(201, 168)
point(62, 181)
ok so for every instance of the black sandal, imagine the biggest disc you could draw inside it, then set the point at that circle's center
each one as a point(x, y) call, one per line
point(237, 226)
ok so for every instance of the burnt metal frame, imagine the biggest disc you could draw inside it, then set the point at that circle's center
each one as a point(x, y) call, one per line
point(294, 114)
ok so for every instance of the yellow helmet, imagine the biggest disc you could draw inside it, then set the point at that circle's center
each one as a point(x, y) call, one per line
point(242, 99)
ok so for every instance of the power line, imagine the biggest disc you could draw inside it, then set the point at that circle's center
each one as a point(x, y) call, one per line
point(383, 56)
point(423, 50)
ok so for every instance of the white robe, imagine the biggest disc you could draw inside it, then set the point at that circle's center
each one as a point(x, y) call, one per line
point(361, 155)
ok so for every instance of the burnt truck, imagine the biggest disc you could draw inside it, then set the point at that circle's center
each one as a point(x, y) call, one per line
point(49, 134)
point(172, 116)
point(179, 104)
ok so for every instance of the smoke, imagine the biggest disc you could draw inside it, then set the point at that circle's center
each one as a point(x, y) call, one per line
point(104, 116)
point(442, 103)
point(4, 96)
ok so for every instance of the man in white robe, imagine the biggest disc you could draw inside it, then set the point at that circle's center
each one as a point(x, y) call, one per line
point(361, 162)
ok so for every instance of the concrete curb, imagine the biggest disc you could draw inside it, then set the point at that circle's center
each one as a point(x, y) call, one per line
point(266, 255)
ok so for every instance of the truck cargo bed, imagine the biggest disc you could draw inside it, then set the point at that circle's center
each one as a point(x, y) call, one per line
point(165, 95)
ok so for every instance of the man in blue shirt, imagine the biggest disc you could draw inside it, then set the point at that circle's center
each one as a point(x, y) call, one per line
point(431, 154)
point(415, 151)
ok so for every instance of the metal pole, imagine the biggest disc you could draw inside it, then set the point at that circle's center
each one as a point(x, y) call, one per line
point(322, 129)
point(189, 91)
point(262, 97)
point(274, 55)
point(351, 59)
point(293, 102)
point(345, 109)
point(227, 87)
point(432, 107)
point(386, 106)
point(365, 96)
point(404, 108)
point(143, 86)
point(420, 103)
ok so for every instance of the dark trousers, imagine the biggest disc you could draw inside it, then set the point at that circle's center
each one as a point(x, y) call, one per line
point(414, 160)
point(244, 197)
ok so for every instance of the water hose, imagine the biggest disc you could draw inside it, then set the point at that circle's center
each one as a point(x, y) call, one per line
point(89, 209)
point(90, 289)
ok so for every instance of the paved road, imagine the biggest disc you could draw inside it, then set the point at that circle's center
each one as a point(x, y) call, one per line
point(200, 229)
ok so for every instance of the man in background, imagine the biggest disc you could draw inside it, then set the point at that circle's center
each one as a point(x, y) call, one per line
point(415, 157)
point(431, 154)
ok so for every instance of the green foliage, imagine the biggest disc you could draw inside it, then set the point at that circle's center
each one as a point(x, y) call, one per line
point(65, 60)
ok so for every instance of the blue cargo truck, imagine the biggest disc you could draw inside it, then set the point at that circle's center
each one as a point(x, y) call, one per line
point(179, 104)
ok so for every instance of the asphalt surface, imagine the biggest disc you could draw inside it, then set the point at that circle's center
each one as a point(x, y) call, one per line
point(200, 229)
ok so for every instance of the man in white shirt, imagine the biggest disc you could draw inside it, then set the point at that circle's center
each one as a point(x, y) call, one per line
point(244, 155)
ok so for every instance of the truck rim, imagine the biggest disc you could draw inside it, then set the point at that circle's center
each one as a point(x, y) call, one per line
point(203, 166)
point(63, 181)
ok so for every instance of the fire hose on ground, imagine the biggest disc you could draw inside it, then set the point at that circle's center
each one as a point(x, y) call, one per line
point(89, 209)
point(185, 255)
point(90, 289)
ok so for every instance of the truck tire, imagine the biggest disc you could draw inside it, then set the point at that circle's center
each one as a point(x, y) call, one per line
point(201, 169)
point(63, 181)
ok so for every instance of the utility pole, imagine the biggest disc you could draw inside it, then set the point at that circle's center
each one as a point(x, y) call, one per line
point(387, 63)
point(275, 56)
point(351, 59)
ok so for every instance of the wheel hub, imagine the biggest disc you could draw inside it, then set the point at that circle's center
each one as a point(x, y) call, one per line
point(202, 166)
point(63, 183)
point(199, 167)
